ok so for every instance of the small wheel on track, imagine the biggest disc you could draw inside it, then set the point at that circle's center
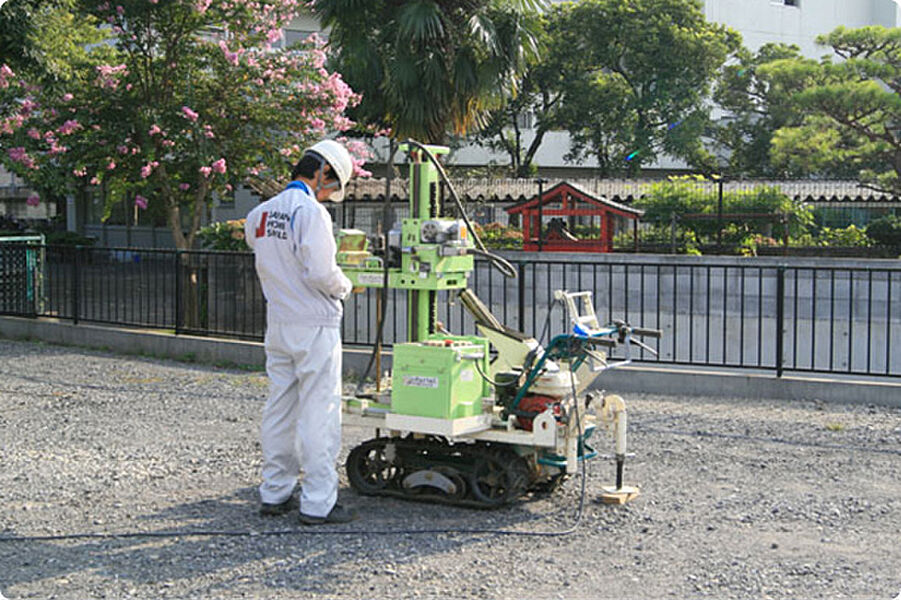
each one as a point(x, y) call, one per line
point(459, 481)
point(369, 469)
point(490, 481)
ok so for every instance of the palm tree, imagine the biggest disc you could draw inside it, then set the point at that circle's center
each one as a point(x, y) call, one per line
point(429, 67)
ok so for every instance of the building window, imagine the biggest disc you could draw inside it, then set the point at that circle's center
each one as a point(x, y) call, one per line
point(525, 120)
point(790, 2)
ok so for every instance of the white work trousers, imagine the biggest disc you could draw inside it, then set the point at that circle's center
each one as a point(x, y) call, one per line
point(303, 413)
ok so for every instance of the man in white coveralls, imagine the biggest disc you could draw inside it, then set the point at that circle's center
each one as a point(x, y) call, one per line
point(291, 236)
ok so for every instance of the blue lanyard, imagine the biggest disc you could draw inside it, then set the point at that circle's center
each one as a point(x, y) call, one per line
point(299, 185)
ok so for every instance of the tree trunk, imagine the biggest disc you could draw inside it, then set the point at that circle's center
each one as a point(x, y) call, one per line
point(193, 267)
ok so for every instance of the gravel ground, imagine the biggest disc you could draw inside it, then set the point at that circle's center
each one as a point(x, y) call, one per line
point(740, 499)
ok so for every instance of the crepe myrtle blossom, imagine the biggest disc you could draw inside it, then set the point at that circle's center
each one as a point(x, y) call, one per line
point(140, 201)
point(5, 74)
point(28, 106)
point(147, 169)
point(69, 126)
point(189, 114)
point(20, 155)
point(359, 154)
point(177, 127)
point(108, 75)
point(9, 125)
point(233, 57)
point(56, 148)
point(33, 200)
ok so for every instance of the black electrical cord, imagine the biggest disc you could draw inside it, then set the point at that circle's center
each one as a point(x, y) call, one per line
point(547, 321)
point(577, 519)
point(489, 380)
point(383, 292)
point(505, 267)
point(500, 263)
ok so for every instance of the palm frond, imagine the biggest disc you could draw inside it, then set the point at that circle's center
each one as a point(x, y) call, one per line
point(420, 21)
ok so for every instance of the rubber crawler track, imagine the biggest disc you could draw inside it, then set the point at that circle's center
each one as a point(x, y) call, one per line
point(485, 475)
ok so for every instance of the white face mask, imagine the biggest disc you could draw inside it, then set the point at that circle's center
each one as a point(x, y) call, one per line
point(338, 194)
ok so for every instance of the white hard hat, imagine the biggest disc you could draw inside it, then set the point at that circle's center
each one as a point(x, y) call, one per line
point(338, 158)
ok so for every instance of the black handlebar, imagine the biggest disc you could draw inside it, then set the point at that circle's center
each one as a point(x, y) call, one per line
point(656, 333)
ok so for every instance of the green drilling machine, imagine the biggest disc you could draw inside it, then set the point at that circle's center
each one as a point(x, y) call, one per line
point(473, 420)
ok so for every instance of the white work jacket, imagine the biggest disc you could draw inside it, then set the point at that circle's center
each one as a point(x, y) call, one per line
point(294, 248)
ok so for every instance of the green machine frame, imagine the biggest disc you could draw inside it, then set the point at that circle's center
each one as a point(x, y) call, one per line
point(434, 375)
point(425, 267)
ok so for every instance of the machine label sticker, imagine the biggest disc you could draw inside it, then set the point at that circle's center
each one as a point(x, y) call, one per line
point(420, 381)
point(467, 375)
point(370, 278)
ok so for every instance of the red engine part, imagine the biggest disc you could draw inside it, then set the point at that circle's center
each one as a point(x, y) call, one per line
point(536, 404)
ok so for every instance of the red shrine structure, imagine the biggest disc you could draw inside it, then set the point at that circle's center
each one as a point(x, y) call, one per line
point(547, 224)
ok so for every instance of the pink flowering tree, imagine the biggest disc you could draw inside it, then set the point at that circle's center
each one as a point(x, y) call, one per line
point(188, 99)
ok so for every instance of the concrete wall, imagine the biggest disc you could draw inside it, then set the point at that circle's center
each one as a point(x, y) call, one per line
point(628, 380)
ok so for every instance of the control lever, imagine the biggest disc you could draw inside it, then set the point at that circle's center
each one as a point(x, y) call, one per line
point(626, 331)
point(643, 346)
point(656, 333)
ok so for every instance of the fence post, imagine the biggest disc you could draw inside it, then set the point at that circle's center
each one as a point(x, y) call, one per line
point(784, 219)
point(178, 300)
point(540, 181)
point(719, 217)
point(780, 318)
point(673, 218)
point(76, 275)
point(521, 293)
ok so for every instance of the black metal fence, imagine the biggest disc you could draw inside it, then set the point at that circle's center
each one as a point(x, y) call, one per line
point(720, 314)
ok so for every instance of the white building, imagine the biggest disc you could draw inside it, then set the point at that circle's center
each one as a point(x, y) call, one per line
point(798, 22)
point(759, 22)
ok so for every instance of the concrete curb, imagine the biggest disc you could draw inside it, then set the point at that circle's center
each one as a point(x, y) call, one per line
point(627, 380)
